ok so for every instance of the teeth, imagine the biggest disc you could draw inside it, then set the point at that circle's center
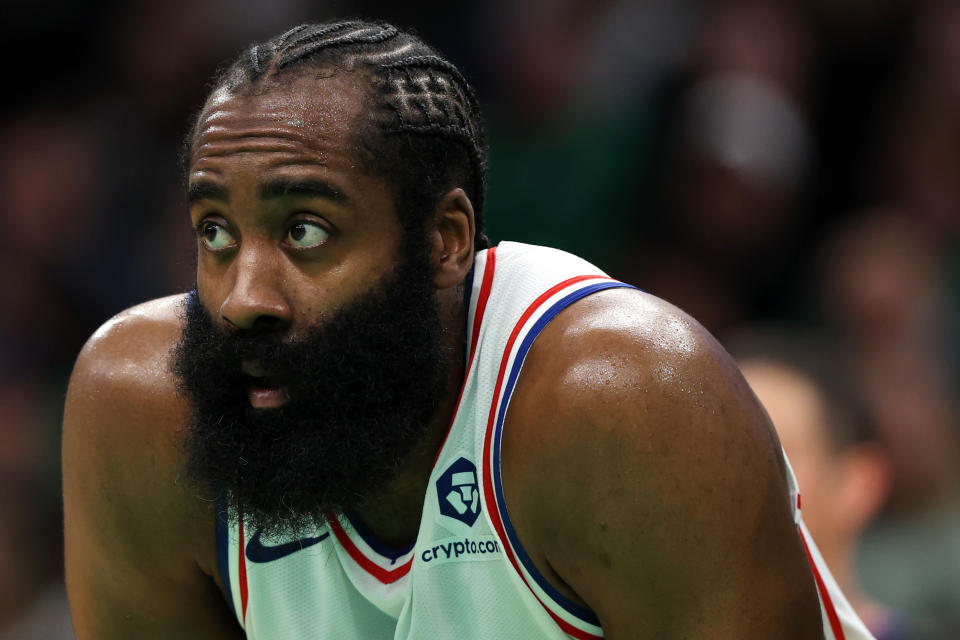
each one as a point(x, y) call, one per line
point(253, 369)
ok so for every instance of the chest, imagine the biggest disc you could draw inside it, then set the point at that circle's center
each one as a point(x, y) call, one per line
point(341, 582)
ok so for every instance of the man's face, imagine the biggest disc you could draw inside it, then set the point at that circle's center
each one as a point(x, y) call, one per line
point(289, 226)
point(312, 351)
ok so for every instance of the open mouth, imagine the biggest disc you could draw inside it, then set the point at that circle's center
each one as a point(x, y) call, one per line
point(264, 390)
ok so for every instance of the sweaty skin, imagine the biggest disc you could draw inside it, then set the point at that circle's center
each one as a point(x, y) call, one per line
point(648, 480)
point(641, 474)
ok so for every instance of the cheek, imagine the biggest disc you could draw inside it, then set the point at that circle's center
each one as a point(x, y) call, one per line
point(311, 303)
point(211, 287)
point(318, 289)
point(308, 311)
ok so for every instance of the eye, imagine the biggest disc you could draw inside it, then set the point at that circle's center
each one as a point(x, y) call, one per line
point(307, 235)
point(215, 236)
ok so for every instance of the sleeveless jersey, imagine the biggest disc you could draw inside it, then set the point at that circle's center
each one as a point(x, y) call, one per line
point(467, 576)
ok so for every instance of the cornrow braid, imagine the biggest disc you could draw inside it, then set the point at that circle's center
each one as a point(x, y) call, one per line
point(312, 32)
point(427, 134)
point(439, 63)
point(362, 36)
point(282, 38)
point(255, 61)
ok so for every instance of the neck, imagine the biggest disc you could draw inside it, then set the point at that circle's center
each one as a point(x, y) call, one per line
point(393, 515)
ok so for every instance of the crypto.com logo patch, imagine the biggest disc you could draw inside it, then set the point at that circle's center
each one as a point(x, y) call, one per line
point(458, 493)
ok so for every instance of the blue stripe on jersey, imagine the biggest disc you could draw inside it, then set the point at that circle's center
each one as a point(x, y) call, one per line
point(581, 612)
point(467, 295)
point(223, 548)
point(468, 291)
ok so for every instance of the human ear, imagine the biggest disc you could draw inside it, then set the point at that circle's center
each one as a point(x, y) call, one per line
point(452, 235)
point(863, 488)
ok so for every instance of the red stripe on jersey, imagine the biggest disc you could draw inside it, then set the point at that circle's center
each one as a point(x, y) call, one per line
point(490, 494)
point(242, 575)
point(824, 594)
point(386, 576)
point(482, 298)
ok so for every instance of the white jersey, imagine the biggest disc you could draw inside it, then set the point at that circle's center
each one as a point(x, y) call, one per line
point(467, 576)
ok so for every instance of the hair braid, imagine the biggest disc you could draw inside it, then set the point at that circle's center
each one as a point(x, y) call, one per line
point(255, 59)
point(313, 32)
point(314, 43)
point(282, 38)
point(436, 62)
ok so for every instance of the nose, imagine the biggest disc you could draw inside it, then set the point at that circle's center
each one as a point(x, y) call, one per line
point(257, 300)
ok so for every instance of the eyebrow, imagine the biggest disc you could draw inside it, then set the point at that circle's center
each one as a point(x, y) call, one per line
point(308, 188)
point(268, 191)
point(206, 191)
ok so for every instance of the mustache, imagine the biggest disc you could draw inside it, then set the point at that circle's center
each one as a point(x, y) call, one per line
point(336, 356)
point(272, 349)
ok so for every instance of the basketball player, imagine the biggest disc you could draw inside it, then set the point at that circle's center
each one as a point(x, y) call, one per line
point(366, 423)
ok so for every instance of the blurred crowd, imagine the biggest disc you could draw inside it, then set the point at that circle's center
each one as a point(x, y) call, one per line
point(786, 172)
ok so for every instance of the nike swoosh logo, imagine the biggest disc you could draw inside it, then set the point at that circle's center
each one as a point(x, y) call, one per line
point(259, 552)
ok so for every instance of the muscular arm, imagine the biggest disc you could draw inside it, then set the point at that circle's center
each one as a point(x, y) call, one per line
point(140, 550)
point(656, 492)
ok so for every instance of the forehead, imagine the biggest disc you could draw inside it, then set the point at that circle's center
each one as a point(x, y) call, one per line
point(314, 109)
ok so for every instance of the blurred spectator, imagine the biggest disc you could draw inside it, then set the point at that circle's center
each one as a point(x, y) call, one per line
point(30, 523)
point(920, 130)
point(49, 196)
point(734, 165)
point(840, 465)
point(883, 285)
point(570, 126)
point(47, 617)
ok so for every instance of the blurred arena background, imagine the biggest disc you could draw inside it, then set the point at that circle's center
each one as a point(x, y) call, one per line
point(777, 169)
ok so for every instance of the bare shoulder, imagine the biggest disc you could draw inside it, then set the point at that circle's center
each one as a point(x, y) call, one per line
point(670, 474)
point(626, 348)
point(122, 402)
point(139, 538)
point(123, 418)
point(134, 343)
point(623, 381)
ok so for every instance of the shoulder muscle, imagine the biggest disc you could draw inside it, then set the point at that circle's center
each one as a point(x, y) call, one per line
point(674, 517)
point(139, 540)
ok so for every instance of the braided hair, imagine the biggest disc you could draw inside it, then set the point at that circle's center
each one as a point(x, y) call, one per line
point(427, 136)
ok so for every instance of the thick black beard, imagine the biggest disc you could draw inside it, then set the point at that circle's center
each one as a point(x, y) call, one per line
point(362, 386)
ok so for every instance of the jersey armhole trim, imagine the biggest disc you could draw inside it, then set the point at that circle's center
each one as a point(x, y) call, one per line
point(242, 571)
point(223, 549)
point(589, 625)
point(825, 600)
point(473, 330)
